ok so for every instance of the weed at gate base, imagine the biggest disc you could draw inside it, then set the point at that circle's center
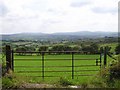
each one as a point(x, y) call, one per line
point(64, 82)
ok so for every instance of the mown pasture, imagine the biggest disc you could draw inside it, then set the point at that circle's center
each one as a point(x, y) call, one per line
point(32, 66)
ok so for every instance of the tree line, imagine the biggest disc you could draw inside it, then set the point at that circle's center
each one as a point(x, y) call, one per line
point(88, 49)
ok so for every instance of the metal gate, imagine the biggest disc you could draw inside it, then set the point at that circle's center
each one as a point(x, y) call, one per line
point(70, 63)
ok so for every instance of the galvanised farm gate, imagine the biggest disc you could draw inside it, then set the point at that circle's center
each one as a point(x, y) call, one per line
point(10, 60)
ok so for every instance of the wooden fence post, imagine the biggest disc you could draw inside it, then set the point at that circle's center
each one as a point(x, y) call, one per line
point(12, 59)
point(8, 58)
point(105, 57)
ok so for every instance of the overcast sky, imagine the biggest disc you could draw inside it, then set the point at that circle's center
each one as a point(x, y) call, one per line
point(49, 16)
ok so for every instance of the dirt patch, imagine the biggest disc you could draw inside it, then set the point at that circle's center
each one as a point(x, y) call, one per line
point(29, 85)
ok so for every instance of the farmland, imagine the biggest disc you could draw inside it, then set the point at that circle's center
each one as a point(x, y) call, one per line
point(30, 67)
point(34, 64)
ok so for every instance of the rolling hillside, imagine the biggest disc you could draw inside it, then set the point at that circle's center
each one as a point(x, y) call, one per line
point(58, 36)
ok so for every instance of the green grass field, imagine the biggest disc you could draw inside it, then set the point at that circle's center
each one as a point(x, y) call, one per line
point(28, 67)
point(32, 66)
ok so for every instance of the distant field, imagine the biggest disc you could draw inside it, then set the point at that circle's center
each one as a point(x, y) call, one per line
point(112, 45)
point(36, 63)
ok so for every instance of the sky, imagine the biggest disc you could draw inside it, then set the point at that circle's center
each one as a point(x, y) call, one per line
point(50, 16)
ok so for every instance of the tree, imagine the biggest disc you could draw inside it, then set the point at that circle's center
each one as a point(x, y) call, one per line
point(30, 49)
point(21, 50)
point(93, 49)
point(117, 49)
point(43, 48)
point(67, 48)
point(86, 49)
point(24, 49)
point(57, 48)
point(76, 48)
point(61, 48)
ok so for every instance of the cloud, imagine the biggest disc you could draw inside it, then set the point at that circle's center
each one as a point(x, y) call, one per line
point(104, 10)
point(3, 9)
point(50, 16)
point(54, 11)
point(79, 4)
point(37, 5)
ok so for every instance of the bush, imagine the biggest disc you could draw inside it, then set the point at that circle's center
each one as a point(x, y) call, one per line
point(109, 76)
point(3, 65)
point(115, 70)
point(117, 49)
point(13, 81)
point(64, 82)
point(112, 74)
point(4, 70)
point(7, 83)
point(117, 84)
point(98, 82)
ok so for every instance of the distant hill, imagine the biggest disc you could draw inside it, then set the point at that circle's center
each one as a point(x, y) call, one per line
point(58, 36)
point(89, 34)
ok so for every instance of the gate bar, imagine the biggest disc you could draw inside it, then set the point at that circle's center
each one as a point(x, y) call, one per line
point(43, 65)
point(72, 65)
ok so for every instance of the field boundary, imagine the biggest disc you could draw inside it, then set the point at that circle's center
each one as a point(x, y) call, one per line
point(98, 62)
